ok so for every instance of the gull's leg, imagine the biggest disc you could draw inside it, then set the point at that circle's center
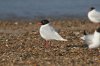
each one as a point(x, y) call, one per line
point(93, 50)
point(46, 45)
point(97, 24)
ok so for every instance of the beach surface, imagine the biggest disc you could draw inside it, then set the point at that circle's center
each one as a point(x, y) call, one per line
point(22, 45)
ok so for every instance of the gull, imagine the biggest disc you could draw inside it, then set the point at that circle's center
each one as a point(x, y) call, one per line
point(94, 15)
point(92, 40)
point(47, 32)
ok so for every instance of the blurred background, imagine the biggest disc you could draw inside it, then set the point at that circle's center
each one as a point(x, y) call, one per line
point(43, 8)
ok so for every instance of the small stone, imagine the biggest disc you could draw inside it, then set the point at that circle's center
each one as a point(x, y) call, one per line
point(6, 40)
point(6, 45)
point(30, 23)
point(16, 23)
point(76, 33)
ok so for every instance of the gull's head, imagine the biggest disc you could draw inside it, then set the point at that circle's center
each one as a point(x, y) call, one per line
point(44, 22)
point(98, 29)
point(92, 8)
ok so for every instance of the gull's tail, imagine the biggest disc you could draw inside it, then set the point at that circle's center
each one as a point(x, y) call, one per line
point(64, 40)
point(83, 37)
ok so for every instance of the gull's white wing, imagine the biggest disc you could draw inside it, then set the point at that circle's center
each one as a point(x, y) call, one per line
point(88, 38)
point(96, 40)
point(49, 33)
point(96, 14)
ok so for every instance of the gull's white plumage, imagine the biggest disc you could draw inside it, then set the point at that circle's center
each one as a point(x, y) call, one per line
point(94, 16)
point(48, 33)
point(96, 40)
point(93, 40)
point(87, 38)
